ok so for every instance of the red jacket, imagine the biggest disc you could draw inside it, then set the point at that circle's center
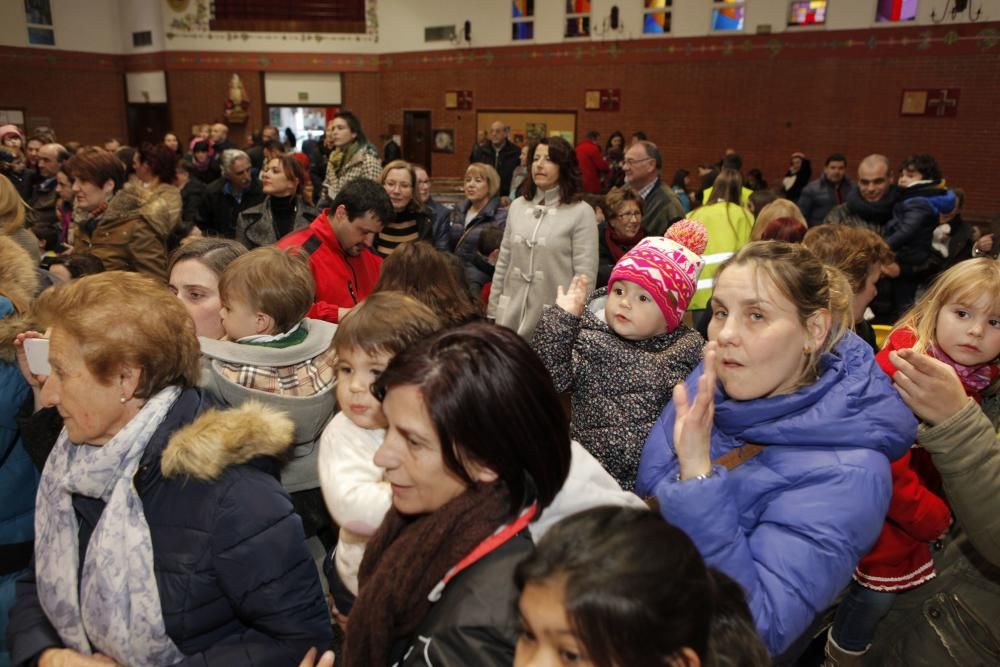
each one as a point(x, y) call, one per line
point(342, 281)
point(592, 164)
point(918, 515)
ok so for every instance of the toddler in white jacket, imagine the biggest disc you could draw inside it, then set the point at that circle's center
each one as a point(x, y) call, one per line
point(354, 488)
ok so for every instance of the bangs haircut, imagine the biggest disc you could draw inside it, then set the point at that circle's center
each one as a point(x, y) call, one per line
point(463, 374)
point(110, 316)
point(966, 283)
point(487, 173)
point(273, 281)
point(385, 322)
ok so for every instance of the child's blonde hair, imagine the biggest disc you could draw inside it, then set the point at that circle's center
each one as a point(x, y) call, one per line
point(965, 282)
point(276, 282)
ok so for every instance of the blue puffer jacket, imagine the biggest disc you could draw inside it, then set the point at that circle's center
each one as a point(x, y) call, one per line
point(790, 524)
point(236, 581)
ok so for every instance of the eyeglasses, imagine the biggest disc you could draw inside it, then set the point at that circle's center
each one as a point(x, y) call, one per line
point(628, 215)
point(631, 162)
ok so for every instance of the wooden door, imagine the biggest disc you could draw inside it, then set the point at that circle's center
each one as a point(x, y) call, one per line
point(417, 138)
point(148, 122)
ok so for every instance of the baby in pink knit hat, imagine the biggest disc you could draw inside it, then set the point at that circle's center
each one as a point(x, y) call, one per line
point(620, 350)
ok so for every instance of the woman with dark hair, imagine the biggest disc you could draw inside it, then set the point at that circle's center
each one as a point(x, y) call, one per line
point(679, 186)
point(436, 583)
point(614, 155)
point(283, 210)
point(173, 142)
point(551, 236)
point(411, 221)
point(591, 595)
point(121, 224)
point(417, 269)
point(797, 177)
point(352, 156)
point(155, 166)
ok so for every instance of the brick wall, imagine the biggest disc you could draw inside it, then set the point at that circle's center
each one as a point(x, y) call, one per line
point(765, 96)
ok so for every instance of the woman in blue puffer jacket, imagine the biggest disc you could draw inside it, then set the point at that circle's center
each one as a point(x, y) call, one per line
point(788, 520)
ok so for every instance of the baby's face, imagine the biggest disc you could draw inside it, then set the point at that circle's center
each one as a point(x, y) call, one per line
point(356, 373)
point(240, 320)
point(632, 313)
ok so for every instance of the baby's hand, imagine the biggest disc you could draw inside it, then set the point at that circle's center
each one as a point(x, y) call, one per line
point(573, 299)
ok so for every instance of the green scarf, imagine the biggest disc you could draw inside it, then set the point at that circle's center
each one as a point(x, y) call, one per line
point(340, 158)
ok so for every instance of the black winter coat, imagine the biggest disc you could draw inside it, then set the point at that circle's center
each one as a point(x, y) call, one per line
point(914, 218)
point(505, 161)
point(219, 209)
point(619, 387)
point(476, 620)
point(237, 584)
point(464, 240)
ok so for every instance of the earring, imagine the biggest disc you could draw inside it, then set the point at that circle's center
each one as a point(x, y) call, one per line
point(123, 400)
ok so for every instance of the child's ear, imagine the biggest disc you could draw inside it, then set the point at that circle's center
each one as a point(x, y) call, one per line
point(265, 324)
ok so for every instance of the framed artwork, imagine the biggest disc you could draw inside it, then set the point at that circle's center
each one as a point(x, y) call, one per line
point(444, 140)
point(914, 103)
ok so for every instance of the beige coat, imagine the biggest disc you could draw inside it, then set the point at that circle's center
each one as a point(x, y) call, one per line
point(545, 244)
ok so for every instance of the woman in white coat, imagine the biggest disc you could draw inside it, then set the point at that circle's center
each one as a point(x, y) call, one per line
point(551, 236)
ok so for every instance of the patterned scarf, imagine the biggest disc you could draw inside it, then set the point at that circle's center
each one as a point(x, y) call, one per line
point(341, 157)
point(111, 604)
point(974, 378)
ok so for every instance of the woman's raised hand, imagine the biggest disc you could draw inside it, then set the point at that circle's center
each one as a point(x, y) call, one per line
point(929, 387)
point(326, 660)
point(693, 421)
point(573, 300)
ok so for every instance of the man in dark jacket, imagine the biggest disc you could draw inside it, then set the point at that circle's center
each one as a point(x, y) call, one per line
point(192, 191)
point(228, 196)
point(829, 190)
point(499, 154)
point(43, 191)
point(661, 207)
point(870, 203)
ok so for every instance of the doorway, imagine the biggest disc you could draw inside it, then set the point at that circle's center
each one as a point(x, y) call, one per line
point(417, 138)
point(305, 123)
point(147, 122)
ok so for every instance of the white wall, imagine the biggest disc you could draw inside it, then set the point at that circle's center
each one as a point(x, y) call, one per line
point(79, 25)
point(106, 26)
point(146, 87)
point(320, 88)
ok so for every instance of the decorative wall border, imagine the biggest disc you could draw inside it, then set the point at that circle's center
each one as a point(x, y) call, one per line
point(902, 42)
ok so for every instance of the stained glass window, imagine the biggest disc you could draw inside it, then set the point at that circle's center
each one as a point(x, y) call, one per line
point(727, 15)
point(522, 19)
point(577, 18)
point(896, 10)
point(807, 12)
point(656, 17)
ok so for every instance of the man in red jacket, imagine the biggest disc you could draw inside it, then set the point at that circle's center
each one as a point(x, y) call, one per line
point(339, 243)
point(592, 163)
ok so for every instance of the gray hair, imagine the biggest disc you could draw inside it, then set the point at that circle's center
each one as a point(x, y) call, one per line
point(230, 156)
point(652, 151)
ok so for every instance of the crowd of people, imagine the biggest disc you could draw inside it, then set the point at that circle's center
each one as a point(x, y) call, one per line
point(259, 404)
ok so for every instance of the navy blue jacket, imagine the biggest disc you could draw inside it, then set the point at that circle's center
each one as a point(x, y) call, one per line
point(237, 584)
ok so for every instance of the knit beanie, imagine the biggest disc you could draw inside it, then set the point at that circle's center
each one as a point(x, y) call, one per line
point(667, 267)
point(10, 129)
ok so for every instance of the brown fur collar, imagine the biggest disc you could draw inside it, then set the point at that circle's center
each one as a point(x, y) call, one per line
point(18, 281)
point(219, 439)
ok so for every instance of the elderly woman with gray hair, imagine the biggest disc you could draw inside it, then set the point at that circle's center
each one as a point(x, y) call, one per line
point(162, 533)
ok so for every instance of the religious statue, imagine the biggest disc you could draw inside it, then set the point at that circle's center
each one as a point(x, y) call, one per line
point(237, 103)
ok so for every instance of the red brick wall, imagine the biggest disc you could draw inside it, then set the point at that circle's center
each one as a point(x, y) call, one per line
point(765, 96)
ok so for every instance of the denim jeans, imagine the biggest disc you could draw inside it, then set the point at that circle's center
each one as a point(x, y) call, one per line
point(859, 615)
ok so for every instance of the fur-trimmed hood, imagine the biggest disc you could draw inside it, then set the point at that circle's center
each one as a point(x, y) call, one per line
point(135, 201)
point(18, 282)
point(218, 439)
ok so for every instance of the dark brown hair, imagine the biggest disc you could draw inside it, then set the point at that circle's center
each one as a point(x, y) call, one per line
point(562, 154)
point(214, 253)
point(162, 161)
point(293, 170)
point(423, 272)
point(464, 374)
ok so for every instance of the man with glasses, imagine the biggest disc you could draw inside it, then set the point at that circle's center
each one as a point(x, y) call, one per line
point(661, 206)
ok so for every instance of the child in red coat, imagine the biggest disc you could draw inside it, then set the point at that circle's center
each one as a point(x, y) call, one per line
point(957, 322)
